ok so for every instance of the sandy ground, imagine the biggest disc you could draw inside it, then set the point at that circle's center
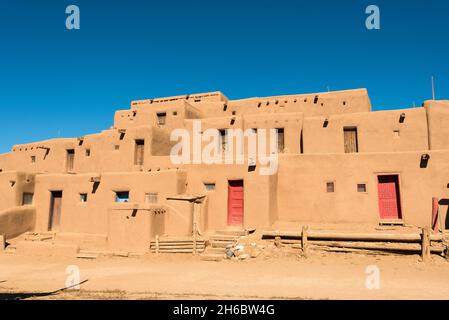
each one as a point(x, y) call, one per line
point(282, 275)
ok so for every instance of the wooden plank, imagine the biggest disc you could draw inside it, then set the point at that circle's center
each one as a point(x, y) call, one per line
point(353, 236)
point(408, 247)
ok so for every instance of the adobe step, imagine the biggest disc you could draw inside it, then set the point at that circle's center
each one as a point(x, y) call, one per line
point(233, 232)
point(212, 257)
point(221, 244)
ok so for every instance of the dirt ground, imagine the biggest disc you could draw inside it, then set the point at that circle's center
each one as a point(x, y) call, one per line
point(282, 275)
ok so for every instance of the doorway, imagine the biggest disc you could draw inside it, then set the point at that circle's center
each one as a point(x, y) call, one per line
point(55, 211)
point(389, 197)
point(235, 202)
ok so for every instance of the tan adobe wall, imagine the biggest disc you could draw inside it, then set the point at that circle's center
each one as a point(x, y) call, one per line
point(92, 216)
point(12, 187)
point(380, 131)
point(438, 119)
point(302, 194)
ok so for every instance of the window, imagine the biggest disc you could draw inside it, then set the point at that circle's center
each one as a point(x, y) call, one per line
point(33, 159)
point(361, 187)
point(151, 198)
point(209, 186)
point(396, 134)
point(175, 113)
point(70, 160)
point(330, 187)
point(122, 135)
point(280, 135)
point(87, 152)
point(161, 118)
point(122, 196)
point(27, 199)
point(83, 197)
point(351, 140)
point(139, 152)
point(223, 139)
point(116, 147)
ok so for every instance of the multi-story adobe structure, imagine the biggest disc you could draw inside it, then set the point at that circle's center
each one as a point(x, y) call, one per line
point(338, 162)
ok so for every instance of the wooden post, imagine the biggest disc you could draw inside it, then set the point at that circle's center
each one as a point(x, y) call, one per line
point(2, 242)
point(157, 245)
point(196, 213)
point(425, 244)
point(305, 248)
point(278, 242)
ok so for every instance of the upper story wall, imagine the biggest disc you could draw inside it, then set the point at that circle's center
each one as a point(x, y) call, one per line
point(198, 97)
point(381, 131)
point(316, 104)
point(110, 150)
point(438, 121)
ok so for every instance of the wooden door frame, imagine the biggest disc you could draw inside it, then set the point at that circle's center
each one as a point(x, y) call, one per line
point(51, 210)
point(227, 206)
point(394, 173)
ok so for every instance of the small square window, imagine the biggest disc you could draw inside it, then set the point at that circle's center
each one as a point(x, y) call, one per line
point(83, 197)
point(87, 152)
point(175, 113)
point(330, 187)
point(33, 159)
point(361, 187)
point(161, 118)
point(209, 186)
point(396, 133)
point(151, 197)
point(122, 196)
point(27, 199)
point(116, 147)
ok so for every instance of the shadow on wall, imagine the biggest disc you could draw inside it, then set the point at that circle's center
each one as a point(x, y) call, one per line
point(16, 221)
point(445, 202)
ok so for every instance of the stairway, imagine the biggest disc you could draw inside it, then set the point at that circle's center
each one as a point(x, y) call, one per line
point(218, 242)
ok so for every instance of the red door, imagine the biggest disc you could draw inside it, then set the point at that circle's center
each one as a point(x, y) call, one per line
point(389, 197)
point(235, 203)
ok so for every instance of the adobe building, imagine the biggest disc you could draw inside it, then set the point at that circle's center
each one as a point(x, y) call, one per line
point(338, 162)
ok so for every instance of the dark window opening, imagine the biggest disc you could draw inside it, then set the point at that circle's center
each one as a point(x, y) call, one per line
point(83, 197)
point(27, 199)
point(222, 138)
point(161, 117)
point(301, 143)
point(280, 136)
point(122, 196)
point(33, 159)
point(209, 186)
point(139, 152)
point(330, 187)
point(361, 187)
point(87, 152)
point(315, 100)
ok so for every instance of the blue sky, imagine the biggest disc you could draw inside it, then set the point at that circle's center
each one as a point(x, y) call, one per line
point(60, 83)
